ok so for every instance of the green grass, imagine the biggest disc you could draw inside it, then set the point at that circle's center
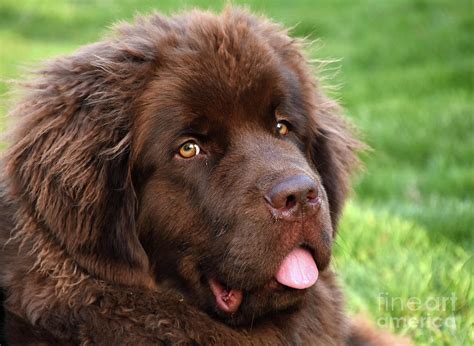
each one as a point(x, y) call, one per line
point(406, 79)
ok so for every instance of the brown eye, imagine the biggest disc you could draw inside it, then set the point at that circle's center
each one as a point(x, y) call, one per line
point(189, 150)
point(282, 128)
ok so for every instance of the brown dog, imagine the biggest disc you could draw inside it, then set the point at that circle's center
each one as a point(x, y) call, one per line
point(179, 182)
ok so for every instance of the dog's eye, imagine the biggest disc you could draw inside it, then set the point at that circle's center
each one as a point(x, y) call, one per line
point(282, 128)
point(189, 150)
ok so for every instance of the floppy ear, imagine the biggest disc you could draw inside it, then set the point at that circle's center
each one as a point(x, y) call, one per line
point(334, 153)
point(70, 161)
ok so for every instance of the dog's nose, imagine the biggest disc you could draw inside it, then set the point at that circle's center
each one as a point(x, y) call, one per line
point(293, 195)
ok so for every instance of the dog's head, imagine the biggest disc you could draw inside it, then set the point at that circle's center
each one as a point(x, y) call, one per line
point(195, 152)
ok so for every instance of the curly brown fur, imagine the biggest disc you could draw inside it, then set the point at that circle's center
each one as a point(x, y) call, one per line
point(110, 238)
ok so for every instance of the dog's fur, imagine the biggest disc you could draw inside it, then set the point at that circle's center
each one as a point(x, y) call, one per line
point(108, 236)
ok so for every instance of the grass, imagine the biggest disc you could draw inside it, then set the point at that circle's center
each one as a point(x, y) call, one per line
point(406, 79)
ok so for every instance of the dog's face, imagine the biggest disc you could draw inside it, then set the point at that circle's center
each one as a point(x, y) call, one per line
point(194, 153)
point(231, 205)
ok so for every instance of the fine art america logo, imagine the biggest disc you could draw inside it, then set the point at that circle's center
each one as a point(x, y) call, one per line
point(433, 313)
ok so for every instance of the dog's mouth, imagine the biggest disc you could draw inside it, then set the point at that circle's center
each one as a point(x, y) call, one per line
point(298, 270)
point(227, 300)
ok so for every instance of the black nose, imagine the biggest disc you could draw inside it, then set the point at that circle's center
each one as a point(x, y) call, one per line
point(292, 196)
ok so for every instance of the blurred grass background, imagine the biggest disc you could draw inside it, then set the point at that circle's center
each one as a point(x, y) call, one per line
point(406, 79)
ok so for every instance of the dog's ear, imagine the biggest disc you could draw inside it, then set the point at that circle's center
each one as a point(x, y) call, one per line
point(70, 163)
point(333, 151)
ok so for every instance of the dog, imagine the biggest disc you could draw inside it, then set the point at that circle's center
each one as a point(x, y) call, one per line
point(179, 182)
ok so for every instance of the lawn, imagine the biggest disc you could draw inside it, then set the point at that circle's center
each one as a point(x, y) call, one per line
point(405, 77)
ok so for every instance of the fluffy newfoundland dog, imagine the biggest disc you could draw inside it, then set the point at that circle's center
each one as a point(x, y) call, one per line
point(179, 182)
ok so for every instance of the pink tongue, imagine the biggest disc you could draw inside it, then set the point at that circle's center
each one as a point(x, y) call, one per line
point(298, 270)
